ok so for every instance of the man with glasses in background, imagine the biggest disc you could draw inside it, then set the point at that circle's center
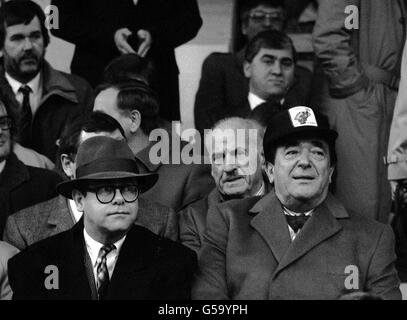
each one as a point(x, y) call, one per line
point(224, 86)
point(104, 256)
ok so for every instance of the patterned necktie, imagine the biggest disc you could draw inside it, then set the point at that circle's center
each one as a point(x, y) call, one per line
point(102, 272)
point(26, 116)
point(296, 222)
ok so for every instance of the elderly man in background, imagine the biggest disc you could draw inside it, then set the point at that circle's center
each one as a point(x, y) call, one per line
point(237, 169)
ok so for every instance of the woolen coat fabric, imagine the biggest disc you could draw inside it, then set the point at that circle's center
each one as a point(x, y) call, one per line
point(6, 252)
point(247, 253)
point(54, 216)
point(22, 186)
point(357, 98)
point(178, 184)
point(192, 220)
point(91, 26)
point(64, 97)
point(223, 89)
point(148, 267)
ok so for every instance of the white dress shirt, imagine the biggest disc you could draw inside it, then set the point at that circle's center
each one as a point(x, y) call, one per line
point(292, 213)
point(36, 90)
point(94, 247)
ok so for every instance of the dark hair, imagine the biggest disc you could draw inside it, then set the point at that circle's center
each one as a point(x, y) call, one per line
point(136, 95)
point(98, 121)
point(269, 39)
point(21, 12)
point(129, 67)
point(69, 139)
point(247, 5)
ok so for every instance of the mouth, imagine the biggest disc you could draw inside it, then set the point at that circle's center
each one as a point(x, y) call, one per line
point(119, 213)
point(233, 179)
point(304, 178)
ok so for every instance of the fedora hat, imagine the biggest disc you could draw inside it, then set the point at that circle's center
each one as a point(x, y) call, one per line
point(102, 160)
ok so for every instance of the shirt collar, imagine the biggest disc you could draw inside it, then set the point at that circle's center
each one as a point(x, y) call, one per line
point(15, 85)
point(261, 190)
point(94, 246)
point(293, 213)
point(255, 100)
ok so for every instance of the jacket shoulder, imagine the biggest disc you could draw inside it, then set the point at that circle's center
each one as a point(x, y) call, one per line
point(219, 59)
point(35, 212)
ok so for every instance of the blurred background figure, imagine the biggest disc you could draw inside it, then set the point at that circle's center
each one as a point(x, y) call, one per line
point(359, 49)
point(104, 29)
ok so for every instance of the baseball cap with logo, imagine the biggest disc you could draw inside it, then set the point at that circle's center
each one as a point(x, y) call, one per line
point(297, 122)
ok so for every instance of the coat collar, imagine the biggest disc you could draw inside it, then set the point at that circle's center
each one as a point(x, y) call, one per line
point(270, 222)
point(54, 83)
point(60, 215)
point(14, 173)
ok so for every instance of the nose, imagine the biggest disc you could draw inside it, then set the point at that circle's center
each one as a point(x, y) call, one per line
point(118, 198)
point(276, 68)
point(304, 159)
point(267, 22)
point(27, 44)
point(230, 163)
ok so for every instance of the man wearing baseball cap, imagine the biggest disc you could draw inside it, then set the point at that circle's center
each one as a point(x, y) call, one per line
point(297, 242)
point(104, 256)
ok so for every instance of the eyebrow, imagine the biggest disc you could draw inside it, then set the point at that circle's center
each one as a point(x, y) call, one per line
point(270, 56)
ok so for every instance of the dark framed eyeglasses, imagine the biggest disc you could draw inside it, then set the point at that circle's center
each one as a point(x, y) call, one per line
point(261, 16)
point(106, 194)
point(5, 123)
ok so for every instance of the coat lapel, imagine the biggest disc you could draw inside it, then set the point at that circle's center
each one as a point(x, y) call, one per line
point(75, 276)
point(321, 226)
point(131, 278)
point(271, 225)
point(60, 217)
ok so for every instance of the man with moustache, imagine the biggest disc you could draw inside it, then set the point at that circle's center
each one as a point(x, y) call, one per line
point(237, 169)
point(46, 98)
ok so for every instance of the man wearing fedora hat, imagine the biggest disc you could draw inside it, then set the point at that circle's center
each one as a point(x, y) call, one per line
point(104, 256)
point(298, 241)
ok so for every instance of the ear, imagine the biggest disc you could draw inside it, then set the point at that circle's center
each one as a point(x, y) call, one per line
point(270, 172)
point(68, 166)
point(243, 28)
point(78, 197)
point(135, 119)
point(331, 172)
point(247, 69)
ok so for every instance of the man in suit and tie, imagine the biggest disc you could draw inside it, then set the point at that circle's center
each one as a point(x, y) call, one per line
point(297, 242)
point(104, 256)
point(58, 214)
point(224, 86)
point(46, 99)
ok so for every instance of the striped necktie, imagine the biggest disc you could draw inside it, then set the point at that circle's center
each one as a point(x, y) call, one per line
point(102, 272)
